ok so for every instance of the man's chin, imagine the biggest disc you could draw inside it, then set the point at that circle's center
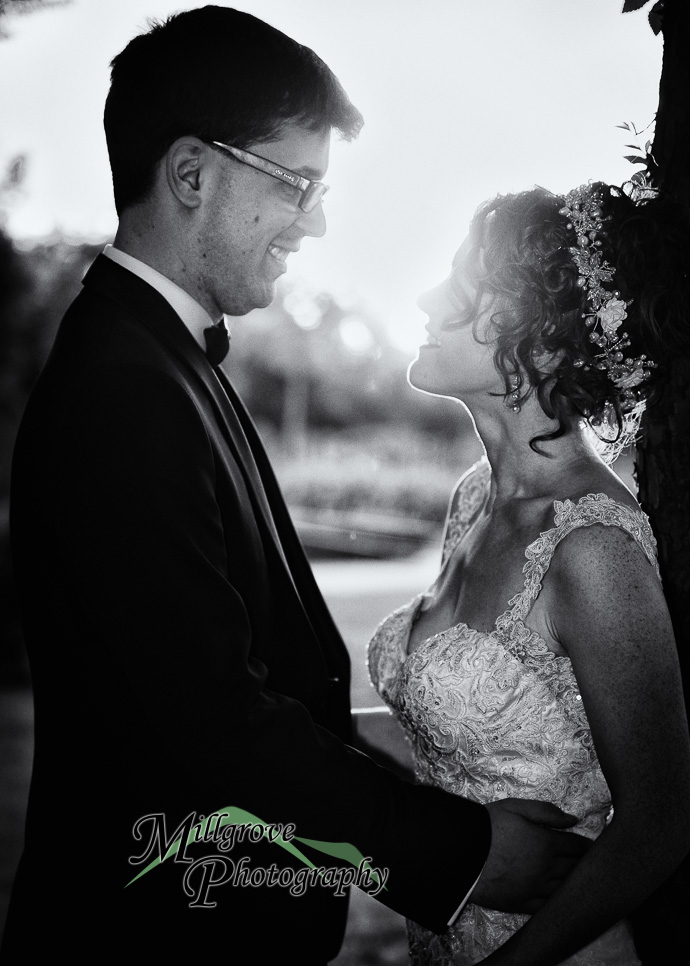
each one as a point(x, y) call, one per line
point(268, 297)
point(259, 299)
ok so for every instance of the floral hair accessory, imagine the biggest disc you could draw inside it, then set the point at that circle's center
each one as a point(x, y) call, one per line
point(606, 311)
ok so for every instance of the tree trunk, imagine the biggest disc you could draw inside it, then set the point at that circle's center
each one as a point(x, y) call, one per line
point(662, 468)
point(663, 473)
point(663, 456)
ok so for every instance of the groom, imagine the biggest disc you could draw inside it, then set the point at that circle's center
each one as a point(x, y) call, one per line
point(183, 659)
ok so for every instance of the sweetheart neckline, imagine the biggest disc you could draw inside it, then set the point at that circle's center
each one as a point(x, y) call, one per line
point(492, 634)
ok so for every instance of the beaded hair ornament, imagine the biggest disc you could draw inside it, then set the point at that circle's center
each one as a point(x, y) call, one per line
point(604, 315)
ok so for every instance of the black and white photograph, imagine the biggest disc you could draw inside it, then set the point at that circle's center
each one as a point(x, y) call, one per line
point(344, 482)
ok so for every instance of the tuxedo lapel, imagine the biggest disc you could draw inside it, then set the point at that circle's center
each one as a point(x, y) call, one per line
point(318, 614)
point(138, 298)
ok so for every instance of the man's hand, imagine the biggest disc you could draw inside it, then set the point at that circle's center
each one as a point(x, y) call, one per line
point(528, 858)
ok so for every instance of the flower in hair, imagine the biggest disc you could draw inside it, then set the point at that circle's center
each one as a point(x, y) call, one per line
point(612, 315)
point(630, 379)
point(605, 310)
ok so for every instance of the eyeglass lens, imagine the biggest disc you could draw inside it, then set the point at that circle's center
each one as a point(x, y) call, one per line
point(312, 196)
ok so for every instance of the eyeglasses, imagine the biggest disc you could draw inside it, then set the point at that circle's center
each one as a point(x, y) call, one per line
point(311, 191)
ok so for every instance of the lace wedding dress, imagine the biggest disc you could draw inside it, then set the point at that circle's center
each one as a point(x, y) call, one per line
point(498, 715)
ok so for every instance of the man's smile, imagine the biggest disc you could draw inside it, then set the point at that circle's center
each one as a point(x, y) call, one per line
point(278, 253)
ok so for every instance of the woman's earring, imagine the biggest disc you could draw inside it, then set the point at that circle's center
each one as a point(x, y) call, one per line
point(513, 400)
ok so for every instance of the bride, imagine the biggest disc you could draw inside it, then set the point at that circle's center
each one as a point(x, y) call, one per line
point(541, 663)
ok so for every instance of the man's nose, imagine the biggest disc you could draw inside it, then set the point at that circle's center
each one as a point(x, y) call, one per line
point(313, 222)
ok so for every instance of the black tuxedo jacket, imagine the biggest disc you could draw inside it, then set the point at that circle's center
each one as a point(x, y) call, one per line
point(183, 661)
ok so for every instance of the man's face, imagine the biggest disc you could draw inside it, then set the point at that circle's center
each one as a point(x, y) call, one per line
point(249, 222)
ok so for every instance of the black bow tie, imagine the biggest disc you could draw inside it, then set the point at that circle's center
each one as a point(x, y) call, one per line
point(217, 340)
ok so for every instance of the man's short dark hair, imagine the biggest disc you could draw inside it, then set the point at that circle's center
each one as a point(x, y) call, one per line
point(218, 74)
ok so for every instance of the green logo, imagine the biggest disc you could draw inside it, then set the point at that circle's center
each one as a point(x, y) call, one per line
point(230, 826)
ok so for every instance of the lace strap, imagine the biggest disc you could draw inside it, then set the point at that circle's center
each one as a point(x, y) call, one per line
point(590, 509)
point(467, 498)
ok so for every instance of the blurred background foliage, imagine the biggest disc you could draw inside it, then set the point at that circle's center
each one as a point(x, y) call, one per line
point(350, 440)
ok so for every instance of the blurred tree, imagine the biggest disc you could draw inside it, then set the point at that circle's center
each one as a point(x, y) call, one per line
point(15, 351)
point(663, 453)
point(14, 285)
point(36, 286)
point(310, 363)
point(10, 8)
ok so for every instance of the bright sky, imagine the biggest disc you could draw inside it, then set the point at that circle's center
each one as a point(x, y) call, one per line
point(462, 99)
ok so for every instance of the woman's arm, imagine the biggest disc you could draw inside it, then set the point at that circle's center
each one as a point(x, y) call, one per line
point(608, 610)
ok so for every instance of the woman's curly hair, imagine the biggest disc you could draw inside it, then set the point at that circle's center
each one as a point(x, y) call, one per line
point(542, 344)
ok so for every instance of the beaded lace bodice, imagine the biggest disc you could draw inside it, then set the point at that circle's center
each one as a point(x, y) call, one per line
point(499, 715)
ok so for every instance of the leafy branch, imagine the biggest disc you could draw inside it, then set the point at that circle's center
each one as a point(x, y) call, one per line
point(655, 16)
point(642, 156)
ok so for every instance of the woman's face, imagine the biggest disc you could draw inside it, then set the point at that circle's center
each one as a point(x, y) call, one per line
point(457, 359)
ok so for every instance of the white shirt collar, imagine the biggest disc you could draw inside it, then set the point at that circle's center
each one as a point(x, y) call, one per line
point(194, 316)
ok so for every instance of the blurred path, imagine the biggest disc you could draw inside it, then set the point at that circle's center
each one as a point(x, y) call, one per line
point(360, 593)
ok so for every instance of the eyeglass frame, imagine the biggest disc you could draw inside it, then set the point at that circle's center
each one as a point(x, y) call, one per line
point(312, 191)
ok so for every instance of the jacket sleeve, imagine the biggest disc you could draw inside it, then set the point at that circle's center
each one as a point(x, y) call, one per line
point(149, 548)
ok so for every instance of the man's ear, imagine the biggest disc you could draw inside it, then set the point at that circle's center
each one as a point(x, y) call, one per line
point(184, 170)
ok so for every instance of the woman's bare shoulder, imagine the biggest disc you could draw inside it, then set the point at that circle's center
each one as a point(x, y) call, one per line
point(604, 584)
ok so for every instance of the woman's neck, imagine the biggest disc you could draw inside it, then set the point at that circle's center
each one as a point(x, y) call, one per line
point(518, 471)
